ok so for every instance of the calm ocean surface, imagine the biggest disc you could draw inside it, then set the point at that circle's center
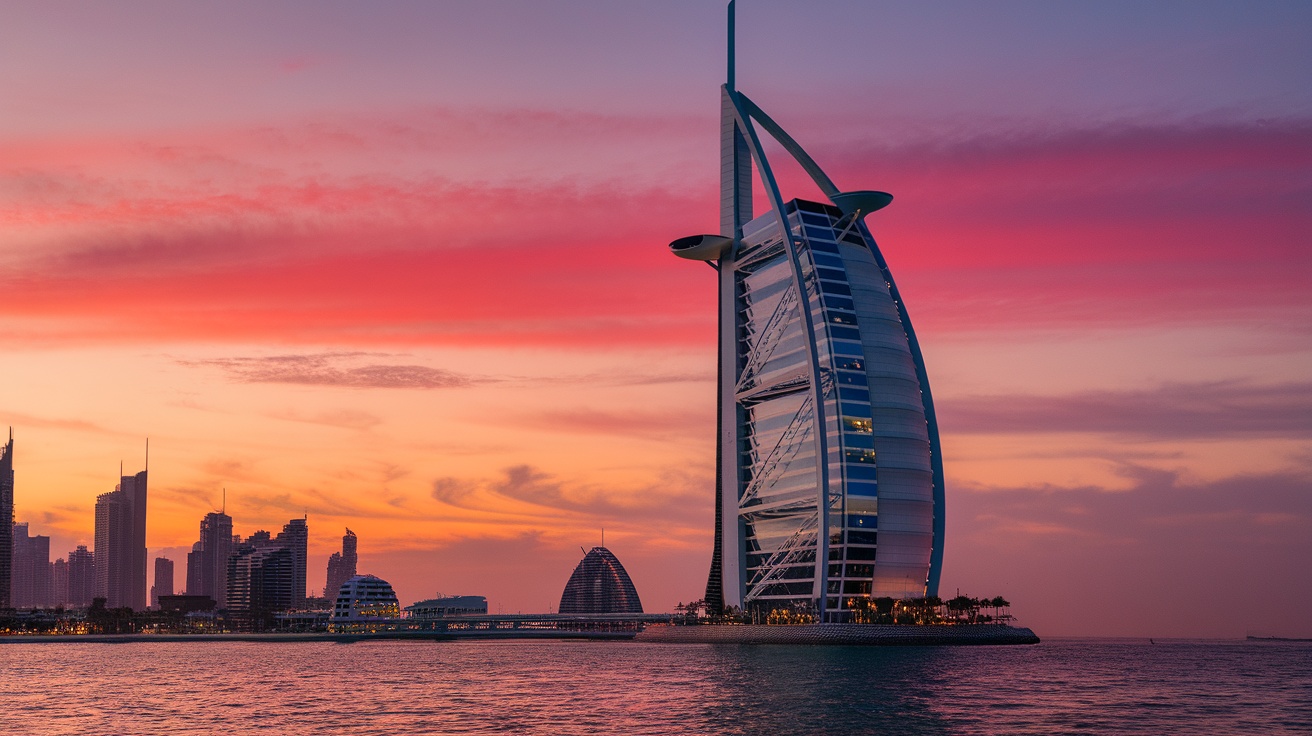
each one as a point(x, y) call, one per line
point(1060, 686)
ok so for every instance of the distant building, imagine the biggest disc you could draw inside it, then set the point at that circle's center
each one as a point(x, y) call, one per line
point(341, 566)
point(59, 582)
point(364, 599)
point(600, 585)
point(121, 544)
point(6, 520)
point(30, 582)
point(295, 537)
point(163, 581)
point(81, 577)
point(207, 563)
point(445, 606)
point(259, 584)
point(266, 575)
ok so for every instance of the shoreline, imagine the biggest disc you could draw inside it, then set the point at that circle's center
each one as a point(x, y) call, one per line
point(806, 634)
point(843, 634)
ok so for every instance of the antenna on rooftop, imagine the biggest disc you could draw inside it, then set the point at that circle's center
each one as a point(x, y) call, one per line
point(224, 509)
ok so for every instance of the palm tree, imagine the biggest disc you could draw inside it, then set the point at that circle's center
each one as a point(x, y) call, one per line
point(997, 603)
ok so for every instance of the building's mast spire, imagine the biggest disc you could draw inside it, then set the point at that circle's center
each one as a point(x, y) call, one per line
point(147, 454)
point(729, 81)
point(224, 509)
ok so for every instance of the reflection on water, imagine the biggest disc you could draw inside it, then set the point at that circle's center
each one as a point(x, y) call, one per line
point(1088, 686)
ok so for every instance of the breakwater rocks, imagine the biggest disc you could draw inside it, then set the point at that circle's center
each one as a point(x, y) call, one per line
point(864, 634)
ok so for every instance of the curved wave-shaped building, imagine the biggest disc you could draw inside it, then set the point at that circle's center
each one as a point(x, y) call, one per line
point(830, 481)
point(600, 584)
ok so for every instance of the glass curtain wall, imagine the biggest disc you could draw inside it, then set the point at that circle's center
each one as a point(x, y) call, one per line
point(880, 494)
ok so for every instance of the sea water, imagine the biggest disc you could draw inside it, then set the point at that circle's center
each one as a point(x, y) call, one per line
point(1059, 686)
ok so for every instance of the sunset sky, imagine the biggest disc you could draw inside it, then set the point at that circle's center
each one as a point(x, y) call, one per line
point(402, 267)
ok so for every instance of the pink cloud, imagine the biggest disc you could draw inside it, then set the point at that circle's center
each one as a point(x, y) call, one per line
point(1110, 226)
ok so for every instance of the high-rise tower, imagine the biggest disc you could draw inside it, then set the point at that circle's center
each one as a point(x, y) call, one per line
point(121, 544)
point(829, 480)
point(6, 519)
point(295, 536)
point(207, 563)
point(341, 566)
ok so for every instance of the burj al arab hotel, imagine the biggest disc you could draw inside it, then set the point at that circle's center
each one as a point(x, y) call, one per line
point(829, 475)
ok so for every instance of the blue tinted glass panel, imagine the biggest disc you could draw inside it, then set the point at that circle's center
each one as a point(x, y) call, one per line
point(832, 274)
point(830, 287)
point(850, 364)
point(838, 302)
point(842, 318)
point(852, 393)
point(852, 379)
point(861, 472)
point(844, 332)
point(866, 441)
point(862, 488)
point(825, 247)
point(824, 259)
point(841, 347)
point(853, 408)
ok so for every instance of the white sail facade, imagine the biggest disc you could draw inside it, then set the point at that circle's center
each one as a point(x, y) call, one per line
point(830, 483)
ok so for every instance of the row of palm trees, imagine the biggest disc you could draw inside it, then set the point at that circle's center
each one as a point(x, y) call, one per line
point(863, 610)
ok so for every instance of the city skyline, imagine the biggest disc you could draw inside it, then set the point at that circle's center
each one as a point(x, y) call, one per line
point(410, 279)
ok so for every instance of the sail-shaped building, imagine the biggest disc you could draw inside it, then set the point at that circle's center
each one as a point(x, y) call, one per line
point(829, 475)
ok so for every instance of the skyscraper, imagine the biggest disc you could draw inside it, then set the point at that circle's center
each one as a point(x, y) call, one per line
point(59, 582)
point(121, 544)
point(6, 519)
point(341, 566)
point(295, 536)
point(261, 580)
point(113, 552)
point(81, 576)
point(829, 478)
point(207, 563)
point(30, 586)
point(133, 488)
point(163, 580)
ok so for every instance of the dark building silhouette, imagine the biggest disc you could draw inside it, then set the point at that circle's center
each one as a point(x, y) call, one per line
point(207, 563)
point(600, 585)
point(121, 544)
point(6, 519)
point(266, 575)
point(30, 565)
point(295, 537)
point(261, 578)
point(163, 580)
point(341, 566)
point(81, 576)
point(59, 582)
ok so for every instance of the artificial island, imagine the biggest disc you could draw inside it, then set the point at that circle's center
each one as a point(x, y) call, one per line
point(829, 486)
